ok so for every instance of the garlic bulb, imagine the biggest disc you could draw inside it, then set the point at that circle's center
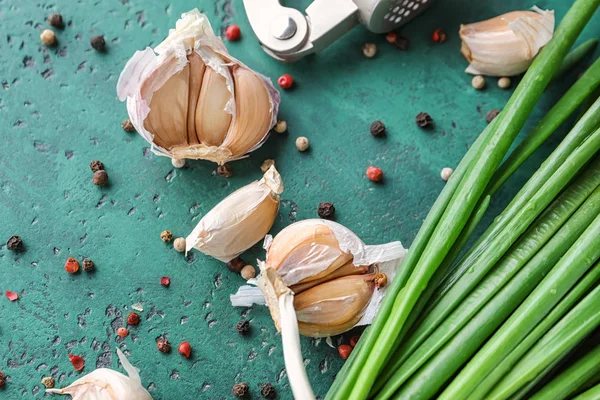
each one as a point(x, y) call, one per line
point(506, 45)
point(193, 100)
point(319, 279)
point(106, 384)
point(240, 220)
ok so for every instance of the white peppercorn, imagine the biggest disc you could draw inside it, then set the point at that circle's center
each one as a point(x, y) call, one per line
point(179, 244)
point(302, 143)
point(446, 173)
point(478, 82)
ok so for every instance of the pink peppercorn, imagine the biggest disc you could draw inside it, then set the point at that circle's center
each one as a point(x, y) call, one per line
point(354, 340)
point(344, 351)
point(285, 81)
point(391, 37)
point(233, 33)
point(374, 174)
point(185, 349)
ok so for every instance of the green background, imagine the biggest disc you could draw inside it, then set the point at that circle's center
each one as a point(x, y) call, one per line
point(59, 111)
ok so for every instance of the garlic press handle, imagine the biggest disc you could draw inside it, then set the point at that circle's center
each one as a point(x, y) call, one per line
point(287, 35)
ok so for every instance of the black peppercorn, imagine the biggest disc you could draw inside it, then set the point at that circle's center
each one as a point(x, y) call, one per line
point(98, 43)
point(243, 327)
point(236, 265)
point(377, 128)
point(127, 126)
point(423, 120)
point(88, 265)
point(489, 117)
point(55, 20)
point(163, 345)
point(326, 210)
point(267, 391)
point(14, 243)
point(224, 170)
point(96, 165)
point(402, 43)
point(240, 390)
point(100, 177)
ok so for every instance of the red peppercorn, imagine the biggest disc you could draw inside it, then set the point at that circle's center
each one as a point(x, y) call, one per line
point(374, 174)
point(391, 37)
point(12, 296)
point(165, 281)
point(439, 36)
point(123, 332)
point(354, 340)
point(285, 81)
point(185, 349)
point(344, 351)
point(133, 318)
point(233, 33)
point(78, 362)
point(72, 265)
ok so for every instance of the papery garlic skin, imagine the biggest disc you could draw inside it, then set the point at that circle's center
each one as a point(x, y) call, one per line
point(507, 44)
point(106, 384)
point(191, 99)
point(240, 220)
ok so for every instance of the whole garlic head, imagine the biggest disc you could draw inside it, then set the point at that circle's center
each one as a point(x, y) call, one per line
point(193, 100)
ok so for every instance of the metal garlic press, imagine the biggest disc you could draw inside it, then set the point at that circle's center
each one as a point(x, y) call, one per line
point(287, 35)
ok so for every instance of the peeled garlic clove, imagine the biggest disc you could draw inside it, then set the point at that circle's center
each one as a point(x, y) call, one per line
point(333, 307)
point(506, 45)
point(240, 220)
point(106, 384)
point(190, 99)
point(211, 119)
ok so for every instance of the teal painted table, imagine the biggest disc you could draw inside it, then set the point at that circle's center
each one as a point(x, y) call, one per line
point(58, 111)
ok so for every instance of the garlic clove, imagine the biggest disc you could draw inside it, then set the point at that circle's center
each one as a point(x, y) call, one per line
point(253, 113)
point(197, 71)
point(211, 119)
point(240, 220)
point(333, 307)
point(506, 45)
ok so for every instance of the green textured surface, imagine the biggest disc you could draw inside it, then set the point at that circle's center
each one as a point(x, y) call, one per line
point(58, 111)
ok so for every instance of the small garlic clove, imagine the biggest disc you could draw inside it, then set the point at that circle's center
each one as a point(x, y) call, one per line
point(197, 71)
point(333, 307)
point(253, 117)
point(211, 119)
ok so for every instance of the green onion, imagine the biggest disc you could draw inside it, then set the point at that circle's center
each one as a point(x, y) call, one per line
point(424, 343)
point(575, 56)
point(563, 337)
point(567, 383)
point(591, 394)
point(571, 267)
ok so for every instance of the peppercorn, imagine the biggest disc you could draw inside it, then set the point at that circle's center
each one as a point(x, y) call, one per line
point(165, 281)
point(302, 143)
point(267, 391)
point(123, 332)
point(133, 318)
point(248, 272)
point(478, 82)
point(326, 210)
point(55, 20)
point(285, 81)
point(377, 128)
point(369, 50)
point(100, 177)
point(233, 33)
point(268, 163)
point(446, 173)
point(96, 165)
point(344, 351)
point(163, 345)
point(491, 115)
point(236, 265)
point(48, 382)
point(374, 174)
point(14, 243)
point(179, 244)
point(48, 37)
point(98, 43)
point(2, 380)
point(166, 236)
point(225, 170)
point(504, 82)
point(88, 265)
point(280, 126)
point(354, 340)
point(439, 36)
point(423, 120)
point(243, 327)
point(78, 362)
point(391, 37)
point(240, 390)
point(185, 349)
point(380, 280)
point(178, 162)
point(71, 265)
point(127, 126)
point(402, 43)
